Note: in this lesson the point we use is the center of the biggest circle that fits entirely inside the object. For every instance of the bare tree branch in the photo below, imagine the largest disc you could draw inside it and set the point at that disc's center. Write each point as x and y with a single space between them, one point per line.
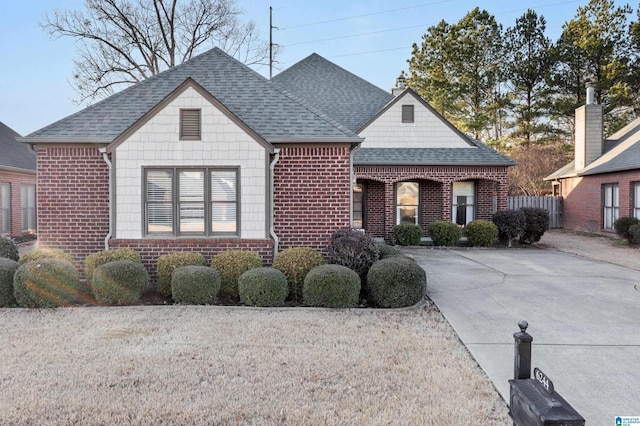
122 42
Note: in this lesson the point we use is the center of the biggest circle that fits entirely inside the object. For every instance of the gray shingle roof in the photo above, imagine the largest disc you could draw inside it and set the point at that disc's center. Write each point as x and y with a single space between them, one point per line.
622 152
248 95
480 155
335 91
13 153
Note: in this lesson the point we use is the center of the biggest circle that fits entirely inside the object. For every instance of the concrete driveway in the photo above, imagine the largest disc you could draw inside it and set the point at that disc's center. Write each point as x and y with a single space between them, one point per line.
584 316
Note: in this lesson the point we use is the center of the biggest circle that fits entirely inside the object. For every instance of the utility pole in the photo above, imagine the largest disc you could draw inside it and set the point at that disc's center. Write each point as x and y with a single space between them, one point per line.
271 27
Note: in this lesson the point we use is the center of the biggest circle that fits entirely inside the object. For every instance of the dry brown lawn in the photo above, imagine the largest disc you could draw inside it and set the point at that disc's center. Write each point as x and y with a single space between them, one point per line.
228 365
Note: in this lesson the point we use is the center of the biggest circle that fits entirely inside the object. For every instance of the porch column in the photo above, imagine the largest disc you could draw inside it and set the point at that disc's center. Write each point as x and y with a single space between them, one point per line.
446 201
389 210
503 192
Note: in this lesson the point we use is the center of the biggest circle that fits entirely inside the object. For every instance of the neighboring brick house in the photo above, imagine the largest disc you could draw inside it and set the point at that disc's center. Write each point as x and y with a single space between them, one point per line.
17 185
603 182
210 155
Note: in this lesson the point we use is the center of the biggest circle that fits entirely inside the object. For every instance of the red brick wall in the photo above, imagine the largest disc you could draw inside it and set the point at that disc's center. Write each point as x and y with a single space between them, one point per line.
16 180
583 200
374 207
436 182
311 199
151 249
73 200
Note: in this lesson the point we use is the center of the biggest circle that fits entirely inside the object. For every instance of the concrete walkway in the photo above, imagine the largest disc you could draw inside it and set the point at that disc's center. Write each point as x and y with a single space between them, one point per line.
584 316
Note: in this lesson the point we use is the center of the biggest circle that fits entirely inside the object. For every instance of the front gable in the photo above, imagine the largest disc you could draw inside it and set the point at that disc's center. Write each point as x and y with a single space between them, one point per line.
225 143
428 129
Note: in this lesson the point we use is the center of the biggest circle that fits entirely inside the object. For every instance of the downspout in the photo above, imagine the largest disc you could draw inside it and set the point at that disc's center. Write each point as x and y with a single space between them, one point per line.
105 157
352 182
272 230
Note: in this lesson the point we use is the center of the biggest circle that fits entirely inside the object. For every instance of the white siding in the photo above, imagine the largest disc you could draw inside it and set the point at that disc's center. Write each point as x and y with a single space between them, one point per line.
157 144
427 131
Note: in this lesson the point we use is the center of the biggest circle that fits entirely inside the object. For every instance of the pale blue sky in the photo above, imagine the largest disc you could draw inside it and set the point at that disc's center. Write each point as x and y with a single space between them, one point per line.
374 42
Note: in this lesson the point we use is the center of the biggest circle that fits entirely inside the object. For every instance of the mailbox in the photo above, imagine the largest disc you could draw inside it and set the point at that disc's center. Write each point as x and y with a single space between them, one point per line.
534 401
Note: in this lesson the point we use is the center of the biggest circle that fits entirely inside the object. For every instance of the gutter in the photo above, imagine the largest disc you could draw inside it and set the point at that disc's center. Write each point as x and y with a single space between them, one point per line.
272 231
352 179
105 157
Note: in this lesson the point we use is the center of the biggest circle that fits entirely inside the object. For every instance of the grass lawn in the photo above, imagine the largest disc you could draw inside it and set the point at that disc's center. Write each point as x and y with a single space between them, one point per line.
228 365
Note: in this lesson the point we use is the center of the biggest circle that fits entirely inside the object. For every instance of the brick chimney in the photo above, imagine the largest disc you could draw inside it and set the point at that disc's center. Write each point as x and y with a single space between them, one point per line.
589 131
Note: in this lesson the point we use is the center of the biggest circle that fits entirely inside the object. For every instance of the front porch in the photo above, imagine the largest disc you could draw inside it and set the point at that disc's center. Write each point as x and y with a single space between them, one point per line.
388 196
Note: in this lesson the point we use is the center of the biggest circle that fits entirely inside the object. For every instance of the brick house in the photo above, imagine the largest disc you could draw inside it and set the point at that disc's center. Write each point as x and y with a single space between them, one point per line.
602 183
210 155
17 185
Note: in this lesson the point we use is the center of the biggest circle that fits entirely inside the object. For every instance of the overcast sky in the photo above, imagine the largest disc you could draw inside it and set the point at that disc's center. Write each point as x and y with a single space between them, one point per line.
370 38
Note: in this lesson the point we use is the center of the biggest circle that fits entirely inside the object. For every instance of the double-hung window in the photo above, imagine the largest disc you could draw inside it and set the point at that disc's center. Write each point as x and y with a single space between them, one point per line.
28 207
191 201
6 207
463 205
611 204
636 200
407 202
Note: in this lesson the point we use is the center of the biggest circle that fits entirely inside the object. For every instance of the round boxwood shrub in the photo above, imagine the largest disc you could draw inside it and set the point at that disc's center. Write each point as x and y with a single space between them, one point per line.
120 282
331 286
407 234
8 268
481 233
8 249
634 233
46 253
354 249
195 285
295 263
386 251
47 283
510 223
622 225
263 287
444 233
536 223
396 282
94 260
167 263
230 264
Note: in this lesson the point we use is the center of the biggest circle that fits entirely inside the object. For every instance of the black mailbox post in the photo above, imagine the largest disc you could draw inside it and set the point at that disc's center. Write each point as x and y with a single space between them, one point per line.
533 401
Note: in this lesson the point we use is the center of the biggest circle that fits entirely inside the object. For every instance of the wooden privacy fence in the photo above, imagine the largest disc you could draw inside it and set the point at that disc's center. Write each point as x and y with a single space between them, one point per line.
551 204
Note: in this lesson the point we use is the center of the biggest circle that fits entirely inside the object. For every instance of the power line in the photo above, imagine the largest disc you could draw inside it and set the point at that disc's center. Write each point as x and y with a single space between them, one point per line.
356 35
366 53
363 15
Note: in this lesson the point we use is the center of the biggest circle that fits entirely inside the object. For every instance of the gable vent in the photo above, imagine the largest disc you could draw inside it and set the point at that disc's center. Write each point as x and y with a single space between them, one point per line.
190 124
407 113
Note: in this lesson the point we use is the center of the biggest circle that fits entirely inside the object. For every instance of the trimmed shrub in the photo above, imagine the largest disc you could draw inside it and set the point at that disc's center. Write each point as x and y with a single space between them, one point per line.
622 225
510 223
230 264
8 268
94 260
331 286
353 249
407 234
444 233
396 282
46 253
481 233
295 263
195 285
47 283
167 263
634 233
8 249
120 282
536 223
263 287
388 251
